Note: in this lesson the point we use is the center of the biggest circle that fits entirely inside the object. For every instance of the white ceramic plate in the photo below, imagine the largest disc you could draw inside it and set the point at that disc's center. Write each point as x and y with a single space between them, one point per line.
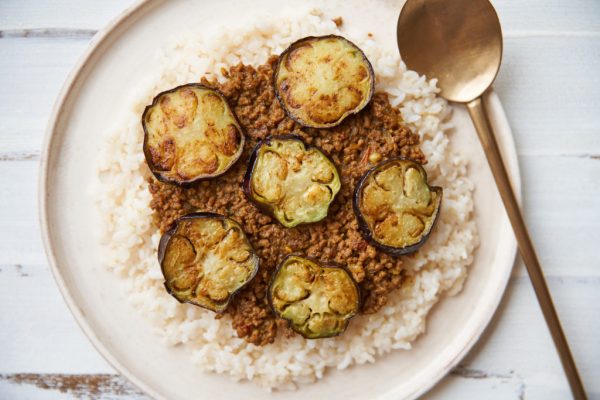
97 89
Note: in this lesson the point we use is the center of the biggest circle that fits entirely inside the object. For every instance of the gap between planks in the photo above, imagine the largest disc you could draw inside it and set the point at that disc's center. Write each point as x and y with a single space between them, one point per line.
50 33
97 385
20 156
79 386
78 33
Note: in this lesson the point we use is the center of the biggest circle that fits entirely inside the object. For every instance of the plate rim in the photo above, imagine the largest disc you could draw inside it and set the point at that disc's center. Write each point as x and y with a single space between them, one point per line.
101 38
74 75
490 97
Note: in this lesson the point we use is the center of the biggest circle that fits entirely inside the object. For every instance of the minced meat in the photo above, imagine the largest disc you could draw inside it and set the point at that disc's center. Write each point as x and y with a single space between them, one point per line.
360 142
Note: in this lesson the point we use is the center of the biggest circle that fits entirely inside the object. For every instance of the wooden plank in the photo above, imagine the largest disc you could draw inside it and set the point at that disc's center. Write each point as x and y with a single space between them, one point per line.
39 333
516 357
20 239
560 193
512 358
31 74
547 15
548 86
550 98
532 16
468 383
561 206
115 387
518 342
82 14
462 382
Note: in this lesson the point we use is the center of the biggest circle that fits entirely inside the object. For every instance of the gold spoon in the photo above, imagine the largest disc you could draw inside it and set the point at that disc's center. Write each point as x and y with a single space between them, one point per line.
459 42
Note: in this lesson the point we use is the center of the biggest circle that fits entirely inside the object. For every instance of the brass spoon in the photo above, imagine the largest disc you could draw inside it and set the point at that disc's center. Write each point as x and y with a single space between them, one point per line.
460 43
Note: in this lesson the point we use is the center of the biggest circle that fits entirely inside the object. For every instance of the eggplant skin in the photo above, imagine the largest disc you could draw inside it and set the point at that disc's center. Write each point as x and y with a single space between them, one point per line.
366 224
201 119
203 285
293 204
304 299
346 90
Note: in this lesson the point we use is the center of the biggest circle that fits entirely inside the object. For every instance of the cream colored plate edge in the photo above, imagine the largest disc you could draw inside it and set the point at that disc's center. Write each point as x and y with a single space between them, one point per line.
98 85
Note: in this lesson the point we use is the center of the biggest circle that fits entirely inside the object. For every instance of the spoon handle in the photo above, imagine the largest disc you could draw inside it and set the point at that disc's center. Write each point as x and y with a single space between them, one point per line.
478 113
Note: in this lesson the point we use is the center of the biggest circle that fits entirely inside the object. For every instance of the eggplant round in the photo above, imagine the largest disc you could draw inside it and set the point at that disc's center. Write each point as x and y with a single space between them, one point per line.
206 259
190 134
317 300
395 207
290 180
319 81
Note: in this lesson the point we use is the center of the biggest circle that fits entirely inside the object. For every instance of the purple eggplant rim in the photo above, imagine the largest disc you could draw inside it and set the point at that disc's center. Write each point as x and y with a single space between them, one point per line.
186 183
166 238
324 264
247 186
362 223
290 48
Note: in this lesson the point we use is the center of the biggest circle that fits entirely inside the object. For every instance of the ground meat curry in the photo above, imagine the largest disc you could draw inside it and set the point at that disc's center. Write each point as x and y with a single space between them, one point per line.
354 146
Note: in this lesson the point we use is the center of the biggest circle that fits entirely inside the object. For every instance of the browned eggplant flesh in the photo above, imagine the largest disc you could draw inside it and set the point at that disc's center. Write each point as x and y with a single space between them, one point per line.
316 300
294 182
319 81
395 206
205 259
190 134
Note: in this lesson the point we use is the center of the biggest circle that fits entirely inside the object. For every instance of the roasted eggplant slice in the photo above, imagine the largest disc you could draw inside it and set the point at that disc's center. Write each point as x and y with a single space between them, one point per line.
395 206
319 81
291 180
205 259
316 300
190 134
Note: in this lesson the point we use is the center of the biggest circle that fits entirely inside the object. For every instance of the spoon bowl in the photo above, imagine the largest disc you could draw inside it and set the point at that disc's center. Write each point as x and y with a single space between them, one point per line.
458 42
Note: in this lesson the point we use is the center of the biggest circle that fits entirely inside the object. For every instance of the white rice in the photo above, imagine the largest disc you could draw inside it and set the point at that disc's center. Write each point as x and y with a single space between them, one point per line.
131 239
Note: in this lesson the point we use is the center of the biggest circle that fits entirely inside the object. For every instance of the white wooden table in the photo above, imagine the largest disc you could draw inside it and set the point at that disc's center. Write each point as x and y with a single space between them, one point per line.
549 84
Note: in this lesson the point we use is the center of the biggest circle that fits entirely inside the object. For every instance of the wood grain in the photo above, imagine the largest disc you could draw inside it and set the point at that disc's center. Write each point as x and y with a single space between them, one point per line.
516 346
545 15
77 14
32 70
550 188
549 87
551 100
551 96
463 382
78 386
48 33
